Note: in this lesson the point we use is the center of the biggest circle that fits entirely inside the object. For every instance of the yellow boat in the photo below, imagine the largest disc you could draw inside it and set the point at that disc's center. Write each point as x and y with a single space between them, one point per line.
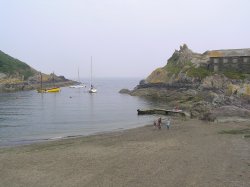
48 90
53 90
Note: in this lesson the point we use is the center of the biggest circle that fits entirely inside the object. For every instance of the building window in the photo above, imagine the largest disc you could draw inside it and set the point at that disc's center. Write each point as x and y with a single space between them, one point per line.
216 68
235 60
225 60
216 60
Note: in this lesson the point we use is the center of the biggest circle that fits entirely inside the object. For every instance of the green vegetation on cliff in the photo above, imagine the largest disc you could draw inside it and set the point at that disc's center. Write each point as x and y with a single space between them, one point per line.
14 68
172 68
234 75
199 72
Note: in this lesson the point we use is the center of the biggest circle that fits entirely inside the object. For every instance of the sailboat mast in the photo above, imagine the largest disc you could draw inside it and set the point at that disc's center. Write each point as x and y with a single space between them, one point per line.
78 75
91 72
53 79
41 81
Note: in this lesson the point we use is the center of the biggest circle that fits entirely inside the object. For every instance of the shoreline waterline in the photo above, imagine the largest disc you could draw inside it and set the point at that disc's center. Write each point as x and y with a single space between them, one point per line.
31 142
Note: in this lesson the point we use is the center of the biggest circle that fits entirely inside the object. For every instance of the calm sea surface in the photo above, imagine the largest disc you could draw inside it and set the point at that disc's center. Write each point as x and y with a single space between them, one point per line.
28 116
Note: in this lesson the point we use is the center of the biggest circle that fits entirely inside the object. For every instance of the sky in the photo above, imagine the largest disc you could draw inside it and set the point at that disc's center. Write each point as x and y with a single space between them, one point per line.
126 38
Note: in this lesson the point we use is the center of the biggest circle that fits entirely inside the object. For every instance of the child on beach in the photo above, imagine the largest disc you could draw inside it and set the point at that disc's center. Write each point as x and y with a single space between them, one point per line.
155 125
168 123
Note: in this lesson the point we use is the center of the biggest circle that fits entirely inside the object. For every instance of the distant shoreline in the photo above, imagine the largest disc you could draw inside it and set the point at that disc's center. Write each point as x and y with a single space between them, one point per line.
24 86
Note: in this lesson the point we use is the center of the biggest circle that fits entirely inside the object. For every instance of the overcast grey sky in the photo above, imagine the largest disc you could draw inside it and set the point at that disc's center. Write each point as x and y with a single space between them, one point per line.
127 38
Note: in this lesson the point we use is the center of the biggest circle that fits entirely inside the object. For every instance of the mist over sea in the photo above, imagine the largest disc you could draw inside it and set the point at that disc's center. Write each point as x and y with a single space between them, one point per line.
29 116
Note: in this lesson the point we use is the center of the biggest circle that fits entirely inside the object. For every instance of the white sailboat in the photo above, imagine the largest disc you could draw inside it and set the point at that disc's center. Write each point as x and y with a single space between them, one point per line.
80 85
92 88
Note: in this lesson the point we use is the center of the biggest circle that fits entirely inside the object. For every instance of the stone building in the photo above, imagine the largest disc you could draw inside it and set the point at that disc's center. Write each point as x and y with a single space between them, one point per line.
230 60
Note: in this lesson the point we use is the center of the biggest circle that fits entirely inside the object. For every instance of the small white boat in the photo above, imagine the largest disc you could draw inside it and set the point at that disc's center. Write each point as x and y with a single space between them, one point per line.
80 85
92 88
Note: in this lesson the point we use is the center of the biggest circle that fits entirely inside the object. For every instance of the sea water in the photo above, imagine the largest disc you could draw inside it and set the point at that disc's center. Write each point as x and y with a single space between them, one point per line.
29 116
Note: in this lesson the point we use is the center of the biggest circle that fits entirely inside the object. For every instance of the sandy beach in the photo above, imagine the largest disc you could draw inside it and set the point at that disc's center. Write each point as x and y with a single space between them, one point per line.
191 153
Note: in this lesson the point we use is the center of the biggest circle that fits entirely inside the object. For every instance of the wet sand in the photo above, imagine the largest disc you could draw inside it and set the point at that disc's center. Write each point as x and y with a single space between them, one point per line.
191 153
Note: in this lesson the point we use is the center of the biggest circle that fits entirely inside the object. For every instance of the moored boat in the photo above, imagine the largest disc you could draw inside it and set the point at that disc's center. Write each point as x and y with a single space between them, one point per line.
80 85
92 88
48 90
53 89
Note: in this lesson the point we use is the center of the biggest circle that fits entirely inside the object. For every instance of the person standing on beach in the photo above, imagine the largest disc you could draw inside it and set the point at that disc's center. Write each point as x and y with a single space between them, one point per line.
168 123
155 125
159 123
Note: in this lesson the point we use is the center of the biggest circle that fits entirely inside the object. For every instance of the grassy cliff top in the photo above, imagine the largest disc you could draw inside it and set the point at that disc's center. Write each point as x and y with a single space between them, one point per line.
15 68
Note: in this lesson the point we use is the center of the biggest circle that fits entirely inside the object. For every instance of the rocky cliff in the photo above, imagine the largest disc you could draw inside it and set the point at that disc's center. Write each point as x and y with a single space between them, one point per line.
16 75
183 66
187 81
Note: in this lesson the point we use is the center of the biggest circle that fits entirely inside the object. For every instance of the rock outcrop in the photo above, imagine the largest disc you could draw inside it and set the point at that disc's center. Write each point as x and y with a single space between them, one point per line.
188 81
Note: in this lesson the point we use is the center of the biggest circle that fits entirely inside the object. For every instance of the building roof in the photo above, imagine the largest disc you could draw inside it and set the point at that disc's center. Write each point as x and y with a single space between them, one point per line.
229 52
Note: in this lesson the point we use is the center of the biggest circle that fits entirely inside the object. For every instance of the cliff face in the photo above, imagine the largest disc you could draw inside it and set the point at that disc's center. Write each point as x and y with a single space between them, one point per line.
188 81
184 65
16 75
